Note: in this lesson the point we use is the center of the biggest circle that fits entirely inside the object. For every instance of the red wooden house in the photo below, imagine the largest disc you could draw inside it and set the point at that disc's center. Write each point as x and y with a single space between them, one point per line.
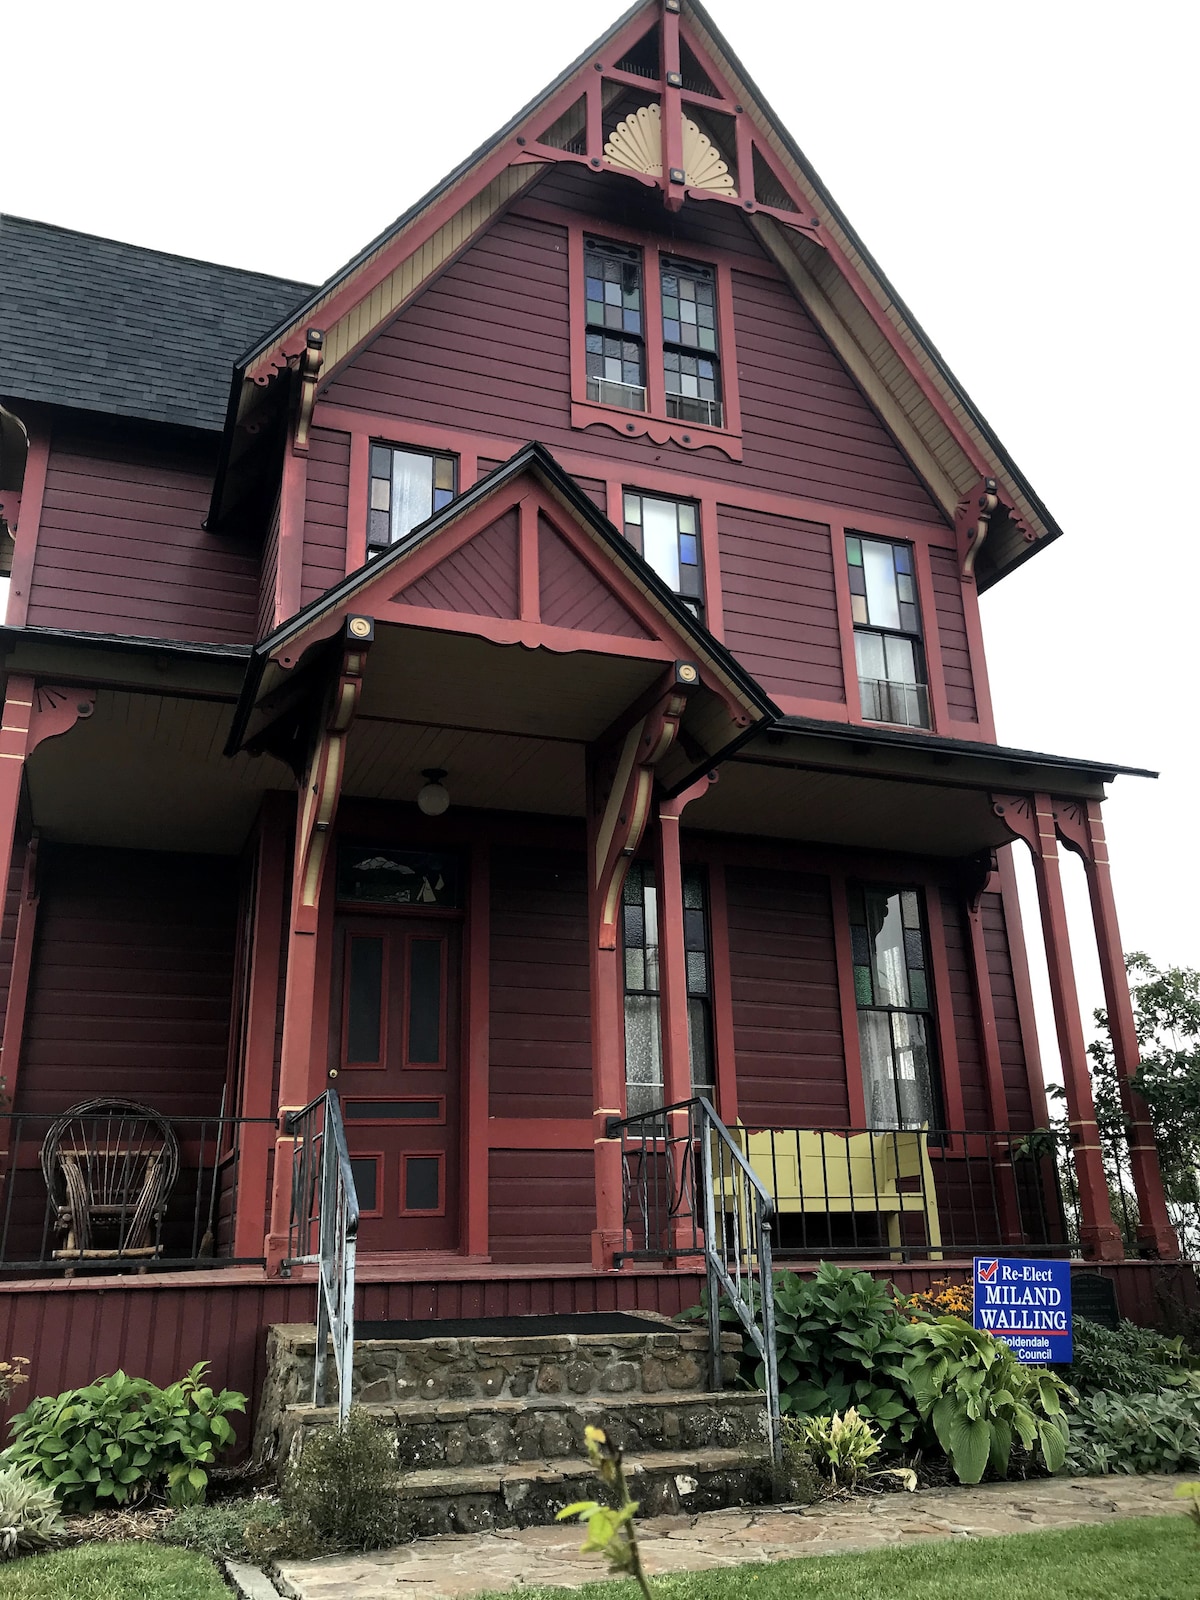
544 685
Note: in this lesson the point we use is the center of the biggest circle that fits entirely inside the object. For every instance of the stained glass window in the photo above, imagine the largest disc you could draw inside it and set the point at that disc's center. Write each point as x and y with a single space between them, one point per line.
666 533
895 1005
407 487
374 876
615 341
887 632
640 946
689 320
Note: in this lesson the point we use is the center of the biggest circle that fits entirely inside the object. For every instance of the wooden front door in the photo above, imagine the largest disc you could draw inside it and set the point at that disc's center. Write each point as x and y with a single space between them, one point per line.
397 1064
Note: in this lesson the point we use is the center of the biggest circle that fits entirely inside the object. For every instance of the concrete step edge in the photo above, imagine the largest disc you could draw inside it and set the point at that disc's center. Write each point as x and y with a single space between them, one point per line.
444 1481
453 1410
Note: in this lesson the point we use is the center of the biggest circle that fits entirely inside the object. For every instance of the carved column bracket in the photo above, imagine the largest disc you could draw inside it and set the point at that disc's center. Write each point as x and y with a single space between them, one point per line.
622 786
1019 815
56 710
309 372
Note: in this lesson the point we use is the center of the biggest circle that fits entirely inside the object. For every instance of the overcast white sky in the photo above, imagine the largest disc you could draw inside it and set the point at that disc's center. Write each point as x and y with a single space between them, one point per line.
1023 171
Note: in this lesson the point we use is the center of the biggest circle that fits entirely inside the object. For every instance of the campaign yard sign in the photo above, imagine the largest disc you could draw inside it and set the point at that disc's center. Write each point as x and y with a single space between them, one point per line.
1027 1304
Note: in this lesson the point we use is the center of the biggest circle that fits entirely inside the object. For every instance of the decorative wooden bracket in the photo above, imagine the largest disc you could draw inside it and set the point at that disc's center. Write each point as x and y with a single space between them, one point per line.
309 372
56 710
977 514
623 785
1020 815
322 783
1071 823
974 875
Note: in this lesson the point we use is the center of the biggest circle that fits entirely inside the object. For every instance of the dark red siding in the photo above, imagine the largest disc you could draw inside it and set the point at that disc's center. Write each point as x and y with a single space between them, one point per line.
325 506
487 347
121 547
791 1065
480 578
961 999
1008 1021
779 602
267 578
541 1205
131 981
541 1062
952 635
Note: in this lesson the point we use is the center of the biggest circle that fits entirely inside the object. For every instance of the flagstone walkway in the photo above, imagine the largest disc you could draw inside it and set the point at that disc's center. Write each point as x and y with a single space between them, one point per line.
467 1564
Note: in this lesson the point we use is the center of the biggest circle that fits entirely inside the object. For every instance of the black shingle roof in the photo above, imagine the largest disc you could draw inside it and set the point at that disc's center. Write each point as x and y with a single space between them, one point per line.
103 326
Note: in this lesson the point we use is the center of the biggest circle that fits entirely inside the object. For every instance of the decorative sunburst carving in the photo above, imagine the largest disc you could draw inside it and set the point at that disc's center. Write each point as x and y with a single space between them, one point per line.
636 144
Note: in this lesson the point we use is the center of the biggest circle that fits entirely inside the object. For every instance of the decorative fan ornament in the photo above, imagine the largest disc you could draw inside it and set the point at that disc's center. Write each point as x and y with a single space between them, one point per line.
636 144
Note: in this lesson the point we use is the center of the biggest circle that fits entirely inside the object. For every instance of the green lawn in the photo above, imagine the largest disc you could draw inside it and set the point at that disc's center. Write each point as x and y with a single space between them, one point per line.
113 1572
1145 1558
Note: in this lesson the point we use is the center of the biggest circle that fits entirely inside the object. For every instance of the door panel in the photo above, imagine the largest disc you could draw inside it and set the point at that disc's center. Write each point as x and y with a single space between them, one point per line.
396 1057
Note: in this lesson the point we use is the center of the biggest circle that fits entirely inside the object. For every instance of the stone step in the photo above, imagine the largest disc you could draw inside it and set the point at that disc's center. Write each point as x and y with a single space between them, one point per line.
530 1494
480 1433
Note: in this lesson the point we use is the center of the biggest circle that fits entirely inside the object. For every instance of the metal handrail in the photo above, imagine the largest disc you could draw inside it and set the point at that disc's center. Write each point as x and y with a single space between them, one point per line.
736 1250
325 1213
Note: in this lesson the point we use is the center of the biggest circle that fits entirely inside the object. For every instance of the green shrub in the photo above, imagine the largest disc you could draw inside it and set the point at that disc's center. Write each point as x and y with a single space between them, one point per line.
341 1495
29 1514
220 1529
838 1335
841 1448
1129 1360
1135 1433
121 1439
979 1399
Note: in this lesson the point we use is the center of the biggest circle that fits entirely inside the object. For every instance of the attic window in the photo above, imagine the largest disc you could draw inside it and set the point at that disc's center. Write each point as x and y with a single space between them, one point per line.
616 349
690 370
407 487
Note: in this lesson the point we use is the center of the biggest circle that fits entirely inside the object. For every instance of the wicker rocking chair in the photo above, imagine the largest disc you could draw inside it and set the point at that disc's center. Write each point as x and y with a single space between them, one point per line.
109 1166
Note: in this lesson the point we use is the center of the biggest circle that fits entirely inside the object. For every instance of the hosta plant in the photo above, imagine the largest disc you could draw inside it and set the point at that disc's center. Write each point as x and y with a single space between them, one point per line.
120 1439
842 1448
979 1400
30 1517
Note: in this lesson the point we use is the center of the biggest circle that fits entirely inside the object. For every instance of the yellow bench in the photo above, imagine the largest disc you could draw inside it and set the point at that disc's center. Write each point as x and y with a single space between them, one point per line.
839 1174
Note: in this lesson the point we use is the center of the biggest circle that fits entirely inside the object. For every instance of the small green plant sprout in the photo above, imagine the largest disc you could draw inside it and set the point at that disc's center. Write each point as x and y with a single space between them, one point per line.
1191 1493
842 1445
610 1529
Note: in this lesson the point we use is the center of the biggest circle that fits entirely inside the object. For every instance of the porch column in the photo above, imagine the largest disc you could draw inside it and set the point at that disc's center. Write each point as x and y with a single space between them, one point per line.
316 811
1081 828
1032 819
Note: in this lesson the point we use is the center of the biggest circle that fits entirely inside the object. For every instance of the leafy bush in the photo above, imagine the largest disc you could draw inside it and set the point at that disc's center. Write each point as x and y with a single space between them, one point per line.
1135 1433
839 1337
340 1495
978 1398
841 1447
121 1439
1129 1360
220 1529
29 1514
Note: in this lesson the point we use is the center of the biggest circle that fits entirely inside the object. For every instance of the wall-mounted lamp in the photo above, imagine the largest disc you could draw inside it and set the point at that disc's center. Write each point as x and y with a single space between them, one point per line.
434 798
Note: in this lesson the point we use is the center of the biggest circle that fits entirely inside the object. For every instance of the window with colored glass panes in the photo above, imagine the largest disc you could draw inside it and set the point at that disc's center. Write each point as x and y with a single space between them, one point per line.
895 1007
407 487
615 336
887 632
643 990
690 359
667 534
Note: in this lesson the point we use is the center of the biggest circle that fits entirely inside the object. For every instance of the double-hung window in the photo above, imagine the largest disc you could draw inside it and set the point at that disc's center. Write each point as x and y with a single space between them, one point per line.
887 632
895 1007
407 487
689 324
616 334
643 988
666 533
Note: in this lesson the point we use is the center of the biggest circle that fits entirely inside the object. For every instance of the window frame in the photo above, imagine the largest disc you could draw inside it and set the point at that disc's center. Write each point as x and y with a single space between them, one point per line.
654 422
917 640
432 455
695 602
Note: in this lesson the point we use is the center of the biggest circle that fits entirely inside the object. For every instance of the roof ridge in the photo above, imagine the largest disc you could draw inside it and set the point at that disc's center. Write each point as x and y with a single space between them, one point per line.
153 250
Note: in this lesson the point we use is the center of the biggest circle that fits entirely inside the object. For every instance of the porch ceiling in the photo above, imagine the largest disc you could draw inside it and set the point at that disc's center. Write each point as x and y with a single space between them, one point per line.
148 772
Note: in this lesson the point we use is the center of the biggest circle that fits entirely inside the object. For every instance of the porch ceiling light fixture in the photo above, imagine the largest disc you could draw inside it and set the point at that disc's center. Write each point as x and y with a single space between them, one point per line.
434 798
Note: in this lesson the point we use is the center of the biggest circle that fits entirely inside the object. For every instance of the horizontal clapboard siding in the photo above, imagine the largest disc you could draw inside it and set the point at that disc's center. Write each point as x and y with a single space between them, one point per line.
325 509
961 1000
779 602
121 547
541 1062
1008 1020
791 1067
952 635
541 1205
131 982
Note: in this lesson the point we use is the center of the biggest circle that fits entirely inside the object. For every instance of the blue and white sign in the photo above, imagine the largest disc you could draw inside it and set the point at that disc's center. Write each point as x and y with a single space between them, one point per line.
1027 1304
